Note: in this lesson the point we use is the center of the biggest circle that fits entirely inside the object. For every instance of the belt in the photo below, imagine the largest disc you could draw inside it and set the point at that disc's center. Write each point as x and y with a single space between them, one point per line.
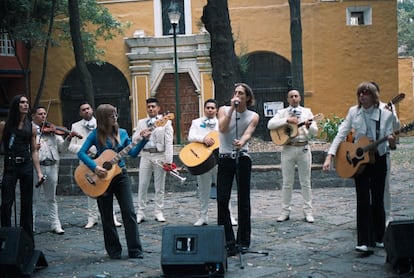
233 154
151 150
48 162
297 144
19 159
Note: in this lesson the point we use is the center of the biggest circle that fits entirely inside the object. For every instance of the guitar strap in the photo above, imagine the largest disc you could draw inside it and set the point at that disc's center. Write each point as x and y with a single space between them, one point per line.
377 127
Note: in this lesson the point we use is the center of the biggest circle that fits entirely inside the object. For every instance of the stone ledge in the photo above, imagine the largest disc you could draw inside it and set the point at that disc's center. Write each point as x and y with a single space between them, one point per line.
266 174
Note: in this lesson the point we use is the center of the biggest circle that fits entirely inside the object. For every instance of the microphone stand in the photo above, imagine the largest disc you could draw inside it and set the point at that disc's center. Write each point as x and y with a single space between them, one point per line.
237 150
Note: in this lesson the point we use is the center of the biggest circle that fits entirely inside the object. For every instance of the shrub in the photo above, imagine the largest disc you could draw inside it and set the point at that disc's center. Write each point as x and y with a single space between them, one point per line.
329 127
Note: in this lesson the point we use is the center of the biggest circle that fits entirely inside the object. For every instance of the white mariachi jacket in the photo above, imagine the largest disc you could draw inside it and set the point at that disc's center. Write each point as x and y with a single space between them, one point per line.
281 116
82 128
201 127
161 137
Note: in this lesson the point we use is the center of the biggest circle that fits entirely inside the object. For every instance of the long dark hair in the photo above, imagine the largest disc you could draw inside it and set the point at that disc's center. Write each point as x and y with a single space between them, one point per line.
105 130
13 120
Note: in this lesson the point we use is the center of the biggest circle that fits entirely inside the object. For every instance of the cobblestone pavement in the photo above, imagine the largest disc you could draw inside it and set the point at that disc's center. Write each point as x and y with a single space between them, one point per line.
295 248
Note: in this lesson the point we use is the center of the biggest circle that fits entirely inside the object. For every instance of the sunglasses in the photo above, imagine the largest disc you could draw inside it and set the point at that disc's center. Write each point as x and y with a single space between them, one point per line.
364 93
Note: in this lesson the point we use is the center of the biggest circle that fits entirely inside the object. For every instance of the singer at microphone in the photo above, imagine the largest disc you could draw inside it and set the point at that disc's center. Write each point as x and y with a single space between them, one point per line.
236 126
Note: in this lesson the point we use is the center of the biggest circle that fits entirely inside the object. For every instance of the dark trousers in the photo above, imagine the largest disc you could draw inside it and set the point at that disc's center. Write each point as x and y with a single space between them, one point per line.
370 202
24 173
227 170
120 187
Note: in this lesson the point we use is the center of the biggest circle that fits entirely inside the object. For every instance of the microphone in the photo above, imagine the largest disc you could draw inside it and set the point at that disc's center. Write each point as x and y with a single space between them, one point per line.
42 180
11 140
236 102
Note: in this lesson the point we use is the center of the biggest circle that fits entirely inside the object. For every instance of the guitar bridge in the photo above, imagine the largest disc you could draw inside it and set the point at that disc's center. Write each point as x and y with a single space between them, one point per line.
90 178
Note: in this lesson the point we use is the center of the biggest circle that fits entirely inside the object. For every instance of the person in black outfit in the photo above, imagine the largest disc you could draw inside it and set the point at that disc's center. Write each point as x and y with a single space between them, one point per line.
236 126
21 154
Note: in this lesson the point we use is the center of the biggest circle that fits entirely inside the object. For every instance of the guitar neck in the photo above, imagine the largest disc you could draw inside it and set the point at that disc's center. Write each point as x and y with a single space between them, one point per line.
122 153
375 144
303 123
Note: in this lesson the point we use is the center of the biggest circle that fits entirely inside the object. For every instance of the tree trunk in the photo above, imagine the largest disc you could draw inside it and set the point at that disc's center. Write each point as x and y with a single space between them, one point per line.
82 69
296 41
45 52
225 66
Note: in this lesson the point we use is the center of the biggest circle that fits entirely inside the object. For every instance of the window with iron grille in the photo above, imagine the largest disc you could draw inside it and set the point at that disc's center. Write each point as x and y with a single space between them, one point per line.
6 45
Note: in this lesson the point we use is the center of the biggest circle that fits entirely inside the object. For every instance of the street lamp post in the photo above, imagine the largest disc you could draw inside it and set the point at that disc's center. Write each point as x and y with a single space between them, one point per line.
174 17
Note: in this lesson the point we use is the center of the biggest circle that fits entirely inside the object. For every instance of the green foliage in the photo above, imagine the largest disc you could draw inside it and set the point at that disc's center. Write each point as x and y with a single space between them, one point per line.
406 27
28 21
329 127
96 23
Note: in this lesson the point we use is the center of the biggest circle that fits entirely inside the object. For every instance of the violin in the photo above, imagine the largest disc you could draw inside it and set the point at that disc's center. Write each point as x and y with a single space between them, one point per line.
48 127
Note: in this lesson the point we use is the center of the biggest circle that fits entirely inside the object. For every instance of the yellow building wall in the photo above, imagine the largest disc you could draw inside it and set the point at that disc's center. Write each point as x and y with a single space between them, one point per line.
336 57
405 108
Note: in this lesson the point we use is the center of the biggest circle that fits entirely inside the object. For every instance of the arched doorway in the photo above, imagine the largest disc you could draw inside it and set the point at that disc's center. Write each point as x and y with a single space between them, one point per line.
269 76
189 102
110 86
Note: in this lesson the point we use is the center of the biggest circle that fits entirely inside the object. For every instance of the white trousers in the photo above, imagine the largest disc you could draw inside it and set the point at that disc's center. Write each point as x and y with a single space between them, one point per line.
301 157
204 188
93 212
49 190
148 167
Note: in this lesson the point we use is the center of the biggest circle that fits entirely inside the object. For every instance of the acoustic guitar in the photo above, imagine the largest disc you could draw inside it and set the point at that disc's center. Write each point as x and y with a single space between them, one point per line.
94 186
394 100
197 157
350 157
281 135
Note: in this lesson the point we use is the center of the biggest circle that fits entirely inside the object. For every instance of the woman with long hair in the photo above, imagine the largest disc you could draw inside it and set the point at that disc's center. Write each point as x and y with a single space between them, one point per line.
21 153
108 136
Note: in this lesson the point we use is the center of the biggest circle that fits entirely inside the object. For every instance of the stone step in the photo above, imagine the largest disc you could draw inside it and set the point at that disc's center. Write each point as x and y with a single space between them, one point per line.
266 174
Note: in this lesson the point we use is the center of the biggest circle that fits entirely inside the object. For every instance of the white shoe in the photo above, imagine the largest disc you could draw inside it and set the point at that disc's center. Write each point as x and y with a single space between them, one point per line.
233 221
159 217
283 217
200 222
90 224
379 244
362 248
58 230
309 218
117 223
140 218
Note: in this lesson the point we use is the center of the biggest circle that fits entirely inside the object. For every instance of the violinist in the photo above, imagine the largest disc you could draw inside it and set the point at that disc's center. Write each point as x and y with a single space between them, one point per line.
49 145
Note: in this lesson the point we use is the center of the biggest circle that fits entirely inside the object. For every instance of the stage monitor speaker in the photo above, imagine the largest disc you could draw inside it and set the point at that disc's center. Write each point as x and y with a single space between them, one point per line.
17 256
399 243
189 250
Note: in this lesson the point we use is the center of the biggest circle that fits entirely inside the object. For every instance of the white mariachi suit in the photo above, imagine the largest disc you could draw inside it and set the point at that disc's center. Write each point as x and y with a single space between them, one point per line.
387 193
296 155
50 146
199 129
84 128
158 148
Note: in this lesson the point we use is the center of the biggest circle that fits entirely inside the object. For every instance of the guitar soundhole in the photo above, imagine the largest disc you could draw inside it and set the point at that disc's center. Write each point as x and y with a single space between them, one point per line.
288 130
107 165
359 152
